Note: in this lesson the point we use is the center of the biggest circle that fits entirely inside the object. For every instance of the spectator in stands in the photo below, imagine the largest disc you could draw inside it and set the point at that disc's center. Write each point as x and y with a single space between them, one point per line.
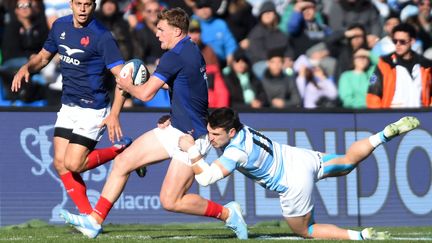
304 28
218 94
343 45
281 89
111 17
266 36
402 79
315 88
24 36
319 55
280 5
353 84
385 45
148 45
344 13
215 32
289 9
133 12
410 14
244 88
425 21
240 19
424 16
382 7
219 7
38 8
3 14
186 5
55 9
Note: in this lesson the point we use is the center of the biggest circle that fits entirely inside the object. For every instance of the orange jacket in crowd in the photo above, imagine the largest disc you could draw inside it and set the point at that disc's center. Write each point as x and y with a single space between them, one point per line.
383 82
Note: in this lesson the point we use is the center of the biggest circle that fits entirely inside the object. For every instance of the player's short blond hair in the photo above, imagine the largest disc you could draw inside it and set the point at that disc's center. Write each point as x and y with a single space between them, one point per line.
176 17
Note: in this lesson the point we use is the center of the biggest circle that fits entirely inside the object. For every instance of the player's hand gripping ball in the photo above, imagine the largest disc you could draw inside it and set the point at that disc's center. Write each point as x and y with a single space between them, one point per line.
140 73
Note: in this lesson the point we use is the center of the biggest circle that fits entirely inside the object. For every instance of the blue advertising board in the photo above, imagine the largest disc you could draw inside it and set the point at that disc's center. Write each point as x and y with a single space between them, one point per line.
391 188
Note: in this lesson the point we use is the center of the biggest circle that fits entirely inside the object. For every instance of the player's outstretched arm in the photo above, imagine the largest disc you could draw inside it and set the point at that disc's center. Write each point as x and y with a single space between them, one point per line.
35 64
205 174
209 173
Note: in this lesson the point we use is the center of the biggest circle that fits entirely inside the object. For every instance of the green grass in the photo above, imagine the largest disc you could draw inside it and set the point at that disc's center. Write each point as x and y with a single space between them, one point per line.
38 231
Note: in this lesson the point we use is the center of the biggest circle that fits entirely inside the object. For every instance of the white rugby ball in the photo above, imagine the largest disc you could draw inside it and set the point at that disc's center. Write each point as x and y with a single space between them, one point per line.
140 73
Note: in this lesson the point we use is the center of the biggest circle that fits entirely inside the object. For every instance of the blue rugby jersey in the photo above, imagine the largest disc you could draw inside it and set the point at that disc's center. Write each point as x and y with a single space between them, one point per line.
183 69
257 157
85 53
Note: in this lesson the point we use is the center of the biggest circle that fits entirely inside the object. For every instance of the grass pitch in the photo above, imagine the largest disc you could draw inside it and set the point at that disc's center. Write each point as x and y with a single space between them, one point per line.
38 231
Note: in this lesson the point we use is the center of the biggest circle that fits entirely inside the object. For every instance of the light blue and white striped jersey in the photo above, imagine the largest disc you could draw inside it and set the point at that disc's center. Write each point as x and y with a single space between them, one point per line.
258 158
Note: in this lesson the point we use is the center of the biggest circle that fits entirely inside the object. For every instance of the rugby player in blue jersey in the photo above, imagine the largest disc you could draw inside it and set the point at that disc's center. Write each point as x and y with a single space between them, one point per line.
182 70
289 171
86 50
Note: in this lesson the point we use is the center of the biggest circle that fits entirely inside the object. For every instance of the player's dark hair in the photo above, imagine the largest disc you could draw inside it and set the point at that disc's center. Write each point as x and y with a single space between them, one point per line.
175 17
407 28
225 118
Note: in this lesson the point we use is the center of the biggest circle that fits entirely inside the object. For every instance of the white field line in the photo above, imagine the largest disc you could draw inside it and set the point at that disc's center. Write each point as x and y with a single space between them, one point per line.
411 236
403 236
267 237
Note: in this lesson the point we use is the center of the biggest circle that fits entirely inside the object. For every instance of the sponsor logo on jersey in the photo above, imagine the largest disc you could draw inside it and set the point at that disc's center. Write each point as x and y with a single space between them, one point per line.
63 35
70 52
69 60
86 101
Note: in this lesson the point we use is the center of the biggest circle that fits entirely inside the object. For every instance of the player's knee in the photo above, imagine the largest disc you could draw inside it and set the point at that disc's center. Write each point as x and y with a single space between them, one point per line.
59 164
74 166
168 203
122 165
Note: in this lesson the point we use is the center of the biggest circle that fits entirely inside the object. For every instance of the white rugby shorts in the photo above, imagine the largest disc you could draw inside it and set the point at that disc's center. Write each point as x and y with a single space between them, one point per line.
82 121
169 138
301 172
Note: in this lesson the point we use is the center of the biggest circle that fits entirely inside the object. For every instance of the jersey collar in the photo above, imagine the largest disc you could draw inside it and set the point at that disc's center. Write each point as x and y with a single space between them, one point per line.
180 44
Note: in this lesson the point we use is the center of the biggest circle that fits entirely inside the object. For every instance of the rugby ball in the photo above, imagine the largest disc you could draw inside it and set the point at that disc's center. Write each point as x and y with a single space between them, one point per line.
140 73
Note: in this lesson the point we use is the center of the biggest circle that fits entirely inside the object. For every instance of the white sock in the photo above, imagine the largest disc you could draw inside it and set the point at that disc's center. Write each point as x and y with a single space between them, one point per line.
354 235
377 139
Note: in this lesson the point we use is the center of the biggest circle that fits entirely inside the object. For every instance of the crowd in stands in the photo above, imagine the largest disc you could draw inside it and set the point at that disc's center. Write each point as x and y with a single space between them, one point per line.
259 53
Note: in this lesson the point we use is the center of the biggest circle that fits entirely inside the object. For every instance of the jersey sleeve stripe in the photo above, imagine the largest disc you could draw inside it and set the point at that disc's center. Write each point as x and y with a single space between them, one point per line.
160 76
119 62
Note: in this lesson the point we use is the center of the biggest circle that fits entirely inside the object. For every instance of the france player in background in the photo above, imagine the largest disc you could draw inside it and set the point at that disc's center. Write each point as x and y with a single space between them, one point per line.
86 50
182 70
289 171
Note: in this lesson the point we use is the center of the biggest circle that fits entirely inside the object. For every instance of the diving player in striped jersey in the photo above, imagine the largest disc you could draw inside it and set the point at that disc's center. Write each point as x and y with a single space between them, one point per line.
287 170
